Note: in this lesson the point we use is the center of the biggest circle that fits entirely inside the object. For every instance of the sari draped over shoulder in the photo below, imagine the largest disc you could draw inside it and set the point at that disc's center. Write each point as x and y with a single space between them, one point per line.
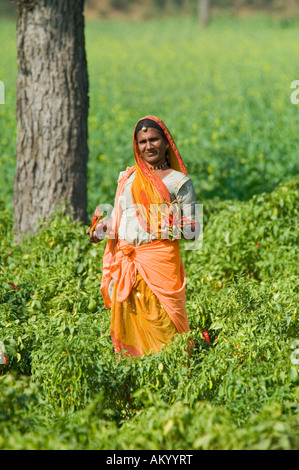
148 298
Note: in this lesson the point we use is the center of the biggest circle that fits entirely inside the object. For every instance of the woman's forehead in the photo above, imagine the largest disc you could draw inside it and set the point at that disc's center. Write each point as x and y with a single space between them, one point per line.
148 132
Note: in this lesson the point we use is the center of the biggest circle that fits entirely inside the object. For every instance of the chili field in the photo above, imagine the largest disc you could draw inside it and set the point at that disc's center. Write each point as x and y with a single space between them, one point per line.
225 93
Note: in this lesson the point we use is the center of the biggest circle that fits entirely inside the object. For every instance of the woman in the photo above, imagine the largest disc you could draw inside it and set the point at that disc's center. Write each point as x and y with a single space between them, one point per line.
143 278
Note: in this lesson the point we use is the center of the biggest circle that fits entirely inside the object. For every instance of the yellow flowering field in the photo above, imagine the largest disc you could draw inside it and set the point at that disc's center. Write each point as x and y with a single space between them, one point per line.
223 91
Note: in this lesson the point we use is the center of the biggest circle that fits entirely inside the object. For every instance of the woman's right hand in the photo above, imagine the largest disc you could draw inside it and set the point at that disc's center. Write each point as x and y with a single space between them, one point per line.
98 234
93 237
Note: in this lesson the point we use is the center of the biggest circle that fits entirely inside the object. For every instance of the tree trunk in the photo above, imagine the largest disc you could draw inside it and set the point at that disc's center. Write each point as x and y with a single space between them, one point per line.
52 112
204 11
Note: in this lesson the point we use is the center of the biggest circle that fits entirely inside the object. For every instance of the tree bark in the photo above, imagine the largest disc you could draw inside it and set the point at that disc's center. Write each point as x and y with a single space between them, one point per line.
204 12
52 112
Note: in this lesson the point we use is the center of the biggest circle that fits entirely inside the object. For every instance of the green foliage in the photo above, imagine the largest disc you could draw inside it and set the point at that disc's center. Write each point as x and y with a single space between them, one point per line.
251 238
243 383
62 386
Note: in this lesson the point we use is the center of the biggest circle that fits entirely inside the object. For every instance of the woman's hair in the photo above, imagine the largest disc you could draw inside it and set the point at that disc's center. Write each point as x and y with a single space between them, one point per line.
148 123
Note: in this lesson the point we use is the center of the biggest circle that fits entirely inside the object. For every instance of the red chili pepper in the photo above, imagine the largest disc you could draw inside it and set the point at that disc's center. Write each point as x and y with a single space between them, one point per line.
12 285
185 219
206 335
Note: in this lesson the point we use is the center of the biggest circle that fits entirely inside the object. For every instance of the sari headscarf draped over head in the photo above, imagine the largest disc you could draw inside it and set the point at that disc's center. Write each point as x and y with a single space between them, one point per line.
148 190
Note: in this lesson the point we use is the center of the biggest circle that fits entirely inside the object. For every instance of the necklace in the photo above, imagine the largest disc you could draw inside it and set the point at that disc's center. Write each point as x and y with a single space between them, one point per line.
160 167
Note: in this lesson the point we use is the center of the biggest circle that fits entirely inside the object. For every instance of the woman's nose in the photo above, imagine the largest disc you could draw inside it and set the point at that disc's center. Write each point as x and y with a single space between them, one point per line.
148 144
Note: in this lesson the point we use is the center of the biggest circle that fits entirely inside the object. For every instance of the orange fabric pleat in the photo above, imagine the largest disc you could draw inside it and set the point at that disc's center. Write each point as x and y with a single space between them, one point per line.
140 324
161 267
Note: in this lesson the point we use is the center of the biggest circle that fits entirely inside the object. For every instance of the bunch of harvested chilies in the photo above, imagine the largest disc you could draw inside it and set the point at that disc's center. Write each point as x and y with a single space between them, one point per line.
170 221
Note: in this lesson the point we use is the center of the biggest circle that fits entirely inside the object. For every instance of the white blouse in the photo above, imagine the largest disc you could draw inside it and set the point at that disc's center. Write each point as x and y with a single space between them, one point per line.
180 188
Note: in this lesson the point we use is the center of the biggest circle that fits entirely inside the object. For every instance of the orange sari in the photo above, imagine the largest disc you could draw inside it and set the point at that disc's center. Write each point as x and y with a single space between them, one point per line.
148 300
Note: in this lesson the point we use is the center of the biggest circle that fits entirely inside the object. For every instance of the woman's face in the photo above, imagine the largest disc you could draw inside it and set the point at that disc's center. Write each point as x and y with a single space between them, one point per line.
152 146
